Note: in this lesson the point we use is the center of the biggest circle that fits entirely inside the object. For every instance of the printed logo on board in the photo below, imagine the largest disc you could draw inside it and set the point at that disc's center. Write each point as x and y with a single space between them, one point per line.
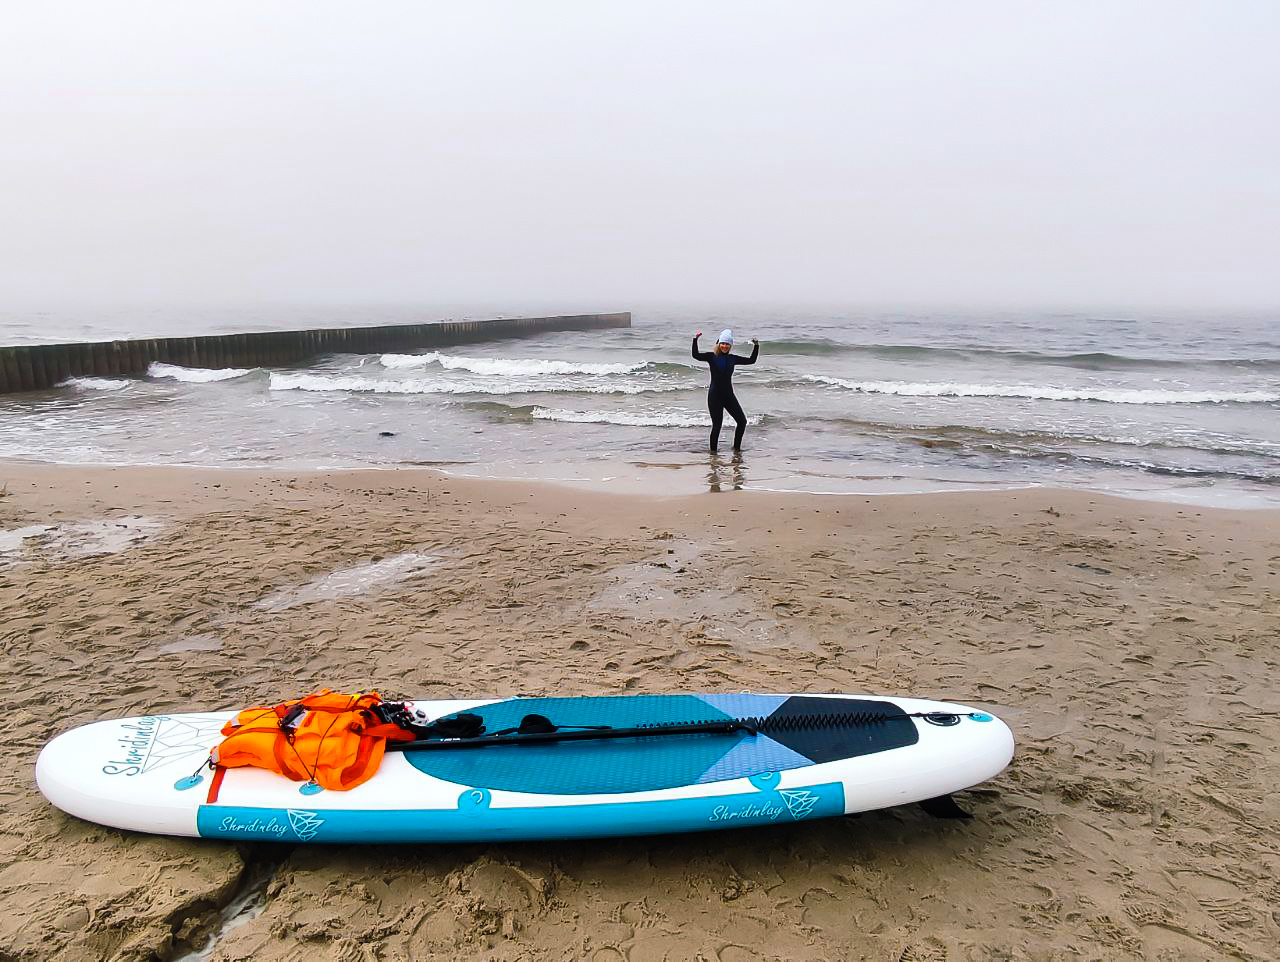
230 825
799 803
153 741
305 824
754 810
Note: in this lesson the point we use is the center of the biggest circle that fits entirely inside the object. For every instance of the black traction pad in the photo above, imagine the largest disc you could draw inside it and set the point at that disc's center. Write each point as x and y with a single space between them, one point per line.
829 743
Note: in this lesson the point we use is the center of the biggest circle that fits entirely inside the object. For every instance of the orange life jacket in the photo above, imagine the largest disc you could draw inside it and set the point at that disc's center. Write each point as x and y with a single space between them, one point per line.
329 738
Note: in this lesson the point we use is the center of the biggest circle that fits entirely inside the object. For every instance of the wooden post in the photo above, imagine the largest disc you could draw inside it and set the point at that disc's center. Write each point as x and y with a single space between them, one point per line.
115 363
150 352
26 376
199 352
84 362
10 379
178 351
137 365
215 355
58 362
40 377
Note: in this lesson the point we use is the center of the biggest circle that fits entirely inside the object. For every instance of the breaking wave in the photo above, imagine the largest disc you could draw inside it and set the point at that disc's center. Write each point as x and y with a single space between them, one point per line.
372 385
979 437
653 419
1034 392
196 375
513 367
1084 360
96 383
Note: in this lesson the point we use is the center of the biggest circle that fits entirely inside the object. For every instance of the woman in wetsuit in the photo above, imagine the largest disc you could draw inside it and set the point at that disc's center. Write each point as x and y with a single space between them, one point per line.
720 392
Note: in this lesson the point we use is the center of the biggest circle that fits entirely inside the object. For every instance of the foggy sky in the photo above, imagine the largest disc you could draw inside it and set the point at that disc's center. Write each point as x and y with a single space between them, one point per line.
604 155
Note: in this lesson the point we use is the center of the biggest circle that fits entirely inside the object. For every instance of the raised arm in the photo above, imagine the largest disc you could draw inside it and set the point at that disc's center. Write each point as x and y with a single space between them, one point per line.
755 353
699 355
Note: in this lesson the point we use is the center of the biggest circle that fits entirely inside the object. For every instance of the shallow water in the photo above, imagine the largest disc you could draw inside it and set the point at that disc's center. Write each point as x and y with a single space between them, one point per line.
76 539
350 582
1171 407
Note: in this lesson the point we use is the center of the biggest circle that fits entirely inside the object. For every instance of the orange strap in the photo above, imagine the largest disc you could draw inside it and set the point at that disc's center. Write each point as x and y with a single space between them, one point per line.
215 786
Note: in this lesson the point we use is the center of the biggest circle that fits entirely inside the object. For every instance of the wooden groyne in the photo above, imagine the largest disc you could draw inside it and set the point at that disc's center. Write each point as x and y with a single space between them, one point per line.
35 367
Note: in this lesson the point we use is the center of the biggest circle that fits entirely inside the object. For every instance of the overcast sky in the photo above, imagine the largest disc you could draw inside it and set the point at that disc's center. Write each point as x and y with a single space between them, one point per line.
956 154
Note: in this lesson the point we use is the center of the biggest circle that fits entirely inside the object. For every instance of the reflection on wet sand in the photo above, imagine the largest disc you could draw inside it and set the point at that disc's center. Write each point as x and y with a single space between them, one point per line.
722 472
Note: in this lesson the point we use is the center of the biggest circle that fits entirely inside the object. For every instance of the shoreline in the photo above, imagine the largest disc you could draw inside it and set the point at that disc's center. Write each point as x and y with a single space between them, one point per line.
1128 644
641 485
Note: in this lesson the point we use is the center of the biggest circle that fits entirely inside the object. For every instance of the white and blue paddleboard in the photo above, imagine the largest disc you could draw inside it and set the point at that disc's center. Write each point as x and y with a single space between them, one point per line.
802 757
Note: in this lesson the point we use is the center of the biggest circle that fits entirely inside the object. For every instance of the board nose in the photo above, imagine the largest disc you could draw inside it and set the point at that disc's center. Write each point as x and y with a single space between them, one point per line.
65 769
105 772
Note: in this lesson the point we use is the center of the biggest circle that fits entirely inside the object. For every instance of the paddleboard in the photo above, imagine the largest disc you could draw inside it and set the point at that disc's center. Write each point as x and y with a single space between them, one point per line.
802 757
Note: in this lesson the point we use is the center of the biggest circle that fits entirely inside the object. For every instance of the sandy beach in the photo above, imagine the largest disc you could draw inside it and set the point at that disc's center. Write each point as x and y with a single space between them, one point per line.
1132 647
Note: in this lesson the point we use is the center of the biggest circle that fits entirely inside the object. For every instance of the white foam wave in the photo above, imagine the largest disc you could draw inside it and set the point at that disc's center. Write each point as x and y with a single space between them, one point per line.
671 419
655 419
196 375
373 385
504 366
1034 392
96 383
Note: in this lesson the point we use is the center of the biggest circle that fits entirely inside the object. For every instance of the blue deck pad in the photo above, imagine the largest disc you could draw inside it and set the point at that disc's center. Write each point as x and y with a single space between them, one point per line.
614 766
471 823
618 711
751 756
744 705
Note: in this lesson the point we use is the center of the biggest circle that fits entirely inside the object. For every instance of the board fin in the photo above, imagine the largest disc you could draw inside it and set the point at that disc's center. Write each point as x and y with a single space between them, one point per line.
944 806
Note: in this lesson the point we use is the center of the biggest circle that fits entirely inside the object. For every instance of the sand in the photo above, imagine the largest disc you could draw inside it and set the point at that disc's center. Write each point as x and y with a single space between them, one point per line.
1132 647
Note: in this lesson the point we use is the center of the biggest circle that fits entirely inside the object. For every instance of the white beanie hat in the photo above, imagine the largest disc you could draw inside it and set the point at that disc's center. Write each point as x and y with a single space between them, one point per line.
726 337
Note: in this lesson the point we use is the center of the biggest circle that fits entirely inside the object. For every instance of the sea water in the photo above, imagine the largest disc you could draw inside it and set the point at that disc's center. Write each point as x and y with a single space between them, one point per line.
1175 407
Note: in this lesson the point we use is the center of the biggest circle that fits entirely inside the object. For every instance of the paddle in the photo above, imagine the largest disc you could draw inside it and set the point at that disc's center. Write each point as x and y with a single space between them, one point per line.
535 729
727 727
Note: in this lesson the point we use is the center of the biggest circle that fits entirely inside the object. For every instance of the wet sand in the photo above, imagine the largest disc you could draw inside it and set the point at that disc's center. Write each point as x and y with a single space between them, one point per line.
1132 647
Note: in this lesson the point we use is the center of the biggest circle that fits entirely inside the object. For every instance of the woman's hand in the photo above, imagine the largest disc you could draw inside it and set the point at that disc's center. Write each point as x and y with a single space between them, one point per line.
698 334
755 340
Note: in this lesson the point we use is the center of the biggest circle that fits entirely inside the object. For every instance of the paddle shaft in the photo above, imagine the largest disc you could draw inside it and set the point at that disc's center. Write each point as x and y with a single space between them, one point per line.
481 741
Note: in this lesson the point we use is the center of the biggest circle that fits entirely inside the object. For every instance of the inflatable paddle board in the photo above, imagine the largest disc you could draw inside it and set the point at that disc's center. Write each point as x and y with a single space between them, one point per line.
792 758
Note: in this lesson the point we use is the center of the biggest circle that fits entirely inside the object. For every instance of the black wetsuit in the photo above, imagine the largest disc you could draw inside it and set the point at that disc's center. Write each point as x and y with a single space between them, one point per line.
720 392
